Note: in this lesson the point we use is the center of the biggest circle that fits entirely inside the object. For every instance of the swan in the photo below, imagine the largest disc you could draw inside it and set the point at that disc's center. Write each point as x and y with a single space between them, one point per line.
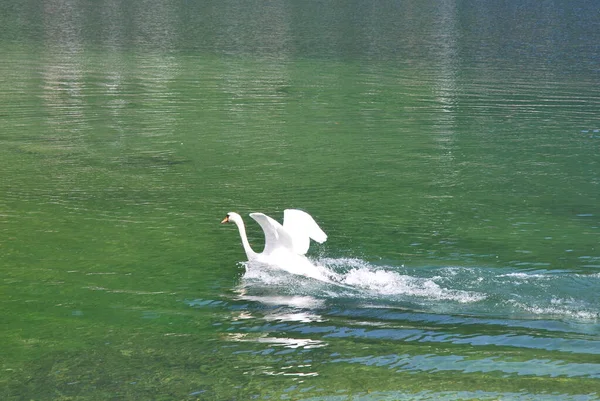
284 244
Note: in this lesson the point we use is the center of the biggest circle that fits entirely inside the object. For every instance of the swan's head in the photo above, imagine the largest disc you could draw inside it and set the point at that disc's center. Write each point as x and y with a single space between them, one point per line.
232 217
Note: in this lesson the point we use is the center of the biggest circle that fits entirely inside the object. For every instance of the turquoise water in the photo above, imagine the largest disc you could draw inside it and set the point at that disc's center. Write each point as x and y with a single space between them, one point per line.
450 151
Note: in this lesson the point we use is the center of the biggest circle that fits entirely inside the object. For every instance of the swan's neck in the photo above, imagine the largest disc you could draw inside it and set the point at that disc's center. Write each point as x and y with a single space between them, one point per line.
250 254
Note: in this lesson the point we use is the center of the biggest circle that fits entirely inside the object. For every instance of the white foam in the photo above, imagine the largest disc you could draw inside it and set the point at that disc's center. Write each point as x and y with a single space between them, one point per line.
559 308
387 283
363 278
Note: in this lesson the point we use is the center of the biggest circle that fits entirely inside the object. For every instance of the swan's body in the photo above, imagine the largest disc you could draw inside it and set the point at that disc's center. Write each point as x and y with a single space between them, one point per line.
284 244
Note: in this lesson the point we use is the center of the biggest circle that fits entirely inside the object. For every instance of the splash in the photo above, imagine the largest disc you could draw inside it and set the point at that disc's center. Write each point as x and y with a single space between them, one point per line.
384 281
472 291
355 278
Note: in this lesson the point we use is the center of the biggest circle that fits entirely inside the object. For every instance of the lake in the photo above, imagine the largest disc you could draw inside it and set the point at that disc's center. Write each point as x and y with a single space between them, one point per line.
450 151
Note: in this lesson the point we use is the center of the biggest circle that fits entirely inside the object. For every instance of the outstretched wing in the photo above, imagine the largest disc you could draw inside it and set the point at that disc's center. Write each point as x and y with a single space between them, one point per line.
275 235
301 227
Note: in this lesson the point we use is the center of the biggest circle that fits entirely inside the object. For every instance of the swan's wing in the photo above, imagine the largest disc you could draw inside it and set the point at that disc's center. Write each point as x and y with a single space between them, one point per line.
276 236
301 227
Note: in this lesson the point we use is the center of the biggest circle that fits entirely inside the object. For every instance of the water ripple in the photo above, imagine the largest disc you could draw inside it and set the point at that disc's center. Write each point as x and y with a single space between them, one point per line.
438 363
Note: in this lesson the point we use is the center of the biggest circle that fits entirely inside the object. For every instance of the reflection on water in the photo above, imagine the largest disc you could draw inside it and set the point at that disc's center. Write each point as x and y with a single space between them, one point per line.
449 149
284 308
284 342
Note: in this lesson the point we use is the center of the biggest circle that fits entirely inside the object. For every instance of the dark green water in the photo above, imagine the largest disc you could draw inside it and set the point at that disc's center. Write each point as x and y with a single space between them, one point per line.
451 151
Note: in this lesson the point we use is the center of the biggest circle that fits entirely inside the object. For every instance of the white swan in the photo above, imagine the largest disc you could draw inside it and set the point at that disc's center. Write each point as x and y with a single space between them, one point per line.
284 244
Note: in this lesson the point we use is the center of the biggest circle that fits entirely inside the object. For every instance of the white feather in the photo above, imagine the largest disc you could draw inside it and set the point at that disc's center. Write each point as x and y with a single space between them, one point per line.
302 228
290 239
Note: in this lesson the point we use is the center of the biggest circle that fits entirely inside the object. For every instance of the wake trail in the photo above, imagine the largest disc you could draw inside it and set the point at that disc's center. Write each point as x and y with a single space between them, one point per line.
501 292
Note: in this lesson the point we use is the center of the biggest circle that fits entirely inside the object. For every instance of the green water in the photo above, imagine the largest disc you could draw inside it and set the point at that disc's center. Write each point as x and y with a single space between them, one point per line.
451 152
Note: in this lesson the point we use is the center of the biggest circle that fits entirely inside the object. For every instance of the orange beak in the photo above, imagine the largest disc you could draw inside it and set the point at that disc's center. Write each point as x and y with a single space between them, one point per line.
225 220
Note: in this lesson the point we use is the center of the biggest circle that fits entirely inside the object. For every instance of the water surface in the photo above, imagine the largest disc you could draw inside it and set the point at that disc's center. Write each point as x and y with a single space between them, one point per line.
450 151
